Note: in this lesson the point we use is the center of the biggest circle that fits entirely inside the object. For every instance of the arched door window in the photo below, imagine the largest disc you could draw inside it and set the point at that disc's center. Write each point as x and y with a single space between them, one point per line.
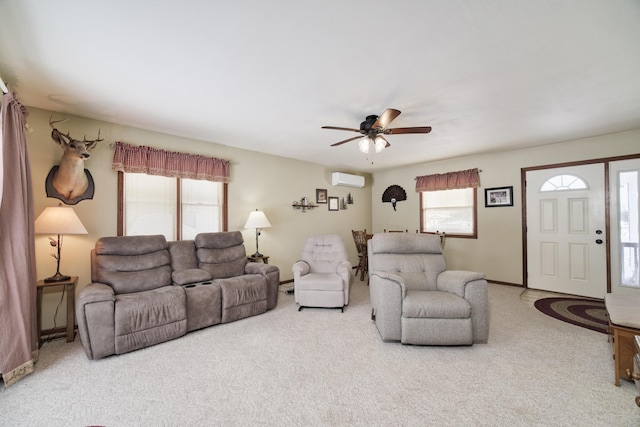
564 182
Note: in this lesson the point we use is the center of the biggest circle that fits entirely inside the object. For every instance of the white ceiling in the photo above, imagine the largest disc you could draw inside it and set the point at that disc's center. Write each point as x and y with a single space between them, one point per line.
487 75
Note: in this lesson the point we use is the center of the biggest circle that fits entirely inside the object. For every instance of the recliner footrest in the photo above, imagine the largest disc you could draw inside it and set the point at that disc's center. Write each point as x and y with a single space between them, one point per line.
435 304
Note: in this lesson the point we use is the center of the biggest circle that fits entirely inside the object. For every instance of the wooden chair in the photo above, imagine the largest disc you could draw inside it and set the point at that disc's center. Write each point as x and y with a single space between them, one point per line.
441 234
360 239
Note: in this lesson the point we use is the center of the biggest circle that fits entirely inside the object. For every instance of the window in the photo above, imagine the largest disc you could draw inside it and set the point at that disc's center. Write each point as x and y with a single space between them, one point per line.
629 211
177 208
450 211
563 182
174 194
448 203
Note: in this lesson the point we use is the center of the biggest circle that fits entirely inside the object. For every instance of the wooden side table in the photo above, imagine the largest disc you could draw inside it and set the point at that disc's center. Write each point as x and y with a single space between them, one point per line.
262 258
623 337
70 288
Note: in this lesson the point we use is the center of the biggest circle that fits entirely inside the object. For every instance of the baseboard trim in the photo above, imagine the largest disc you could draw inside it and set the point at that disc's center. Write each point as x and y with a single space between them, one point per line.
497 282
55 333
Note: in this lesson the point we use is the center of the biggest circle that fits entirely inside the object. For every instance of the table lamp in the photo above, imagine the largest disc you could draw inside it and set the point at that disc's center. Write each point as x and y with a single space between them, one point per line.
58 220
258 220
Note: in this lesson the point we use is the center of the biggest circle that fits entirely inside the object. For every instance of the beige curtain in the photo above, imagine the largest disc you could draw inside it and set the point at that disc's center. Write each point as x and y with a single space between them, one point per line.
153 161
18 329
448 181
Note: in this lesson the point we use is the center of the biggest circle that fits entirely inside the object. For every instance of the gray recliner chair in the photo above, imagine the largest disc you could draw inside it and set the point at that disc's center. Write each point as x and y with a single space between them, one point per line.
416 300
322 275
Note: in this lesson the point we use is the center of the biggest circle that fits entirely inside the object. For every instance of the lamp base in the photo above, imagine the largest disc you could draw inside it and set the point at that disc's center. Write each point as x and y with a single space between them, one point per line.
257 255
57 278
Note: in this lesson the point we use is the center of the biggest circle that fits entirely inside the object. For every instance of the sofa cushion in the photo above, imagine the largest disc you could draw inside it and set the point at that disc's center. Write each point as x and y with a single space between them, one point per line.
193 275
131 263
183 255
243 296
130 245
320 282
222 254
242 289
435 304
147 318
323 253
133 273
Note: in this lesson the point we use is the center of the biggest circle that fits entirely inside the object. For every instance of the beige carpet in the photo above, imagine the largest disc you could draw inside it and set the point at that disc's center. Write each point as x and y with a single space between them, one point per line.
323 367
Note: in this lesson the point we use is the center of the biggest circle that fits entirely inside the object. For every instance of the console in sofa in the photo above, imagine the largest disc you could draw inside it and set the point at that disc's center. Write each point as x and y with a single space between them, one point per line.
146 290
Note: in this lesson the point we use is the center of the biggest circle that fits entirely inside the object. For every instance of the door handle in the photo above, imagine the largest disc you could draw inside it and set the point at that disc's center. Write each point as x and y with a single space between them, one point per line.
599 241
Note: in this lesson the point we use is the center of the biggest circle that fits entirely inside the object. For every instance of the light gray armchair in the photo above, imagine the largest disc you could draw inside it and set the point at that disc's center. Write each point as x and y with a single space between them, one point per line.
322 275
416 300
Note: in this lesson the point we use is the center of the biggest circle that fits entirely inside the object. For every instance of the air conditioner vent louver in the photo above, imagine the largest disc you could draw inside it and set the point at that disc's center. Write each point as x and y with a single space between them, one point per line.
347 180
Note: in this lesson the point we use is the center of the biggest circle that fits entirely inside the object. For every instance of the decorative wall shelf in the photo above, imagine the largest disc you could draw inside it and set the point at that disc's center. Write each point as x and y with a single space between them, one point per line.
303 205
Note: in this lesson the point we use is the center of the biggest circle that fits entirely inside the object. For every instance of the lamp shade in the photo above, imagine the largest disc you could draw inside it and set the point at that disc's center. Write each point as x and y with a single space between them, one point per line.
257 219
363 144
380 144
59 220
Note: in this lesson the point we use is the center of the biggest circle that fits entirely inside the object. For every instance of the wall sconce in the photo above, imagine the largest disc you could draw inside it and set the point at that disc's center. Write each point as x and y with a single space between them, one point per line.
303 205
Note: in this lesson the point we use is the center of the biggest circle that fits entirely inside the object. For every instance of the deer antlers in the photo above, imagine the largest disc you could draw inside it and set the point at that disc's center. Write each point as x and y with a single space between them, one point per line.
56 134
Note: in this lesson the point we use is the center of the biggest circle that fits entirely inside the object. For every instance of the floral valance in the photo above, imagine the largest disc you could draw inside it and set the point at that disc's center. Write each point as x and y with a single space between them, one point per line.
448 181
153 161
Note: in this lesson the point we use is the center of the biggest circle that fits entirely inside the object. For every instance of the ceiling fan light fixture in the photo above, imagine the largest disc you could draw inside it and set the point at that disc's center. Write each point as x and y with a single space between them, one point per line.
374 128
364 144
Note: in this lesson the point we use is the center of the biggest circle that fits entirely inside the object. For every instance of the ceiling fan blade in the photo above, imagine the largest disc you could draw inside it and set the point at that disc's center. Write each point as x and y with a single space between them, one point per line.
397 131
339 128
387 117
346 140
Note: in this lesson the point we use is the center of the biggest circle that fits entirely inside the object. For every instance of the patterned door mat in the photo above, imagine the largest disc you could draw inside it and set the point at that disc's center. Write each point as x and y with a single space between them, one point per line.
590 314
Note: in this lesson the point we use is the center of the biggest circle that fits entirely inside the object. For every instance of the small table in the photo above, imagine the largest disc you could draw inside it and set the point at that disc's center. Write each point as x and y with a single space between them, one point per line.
70 289
262 258
623 309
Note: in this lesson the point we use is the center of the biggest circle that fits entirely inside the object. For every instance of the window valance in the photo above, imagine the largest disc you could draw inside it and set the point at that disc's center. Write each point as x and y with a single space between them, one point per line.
448 181
153 161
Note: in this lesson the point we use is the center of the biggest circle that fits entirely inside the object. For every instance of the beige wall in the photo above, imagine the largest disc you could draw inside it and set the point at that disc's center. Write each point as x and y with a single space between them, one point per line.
498 249
272 183
258 181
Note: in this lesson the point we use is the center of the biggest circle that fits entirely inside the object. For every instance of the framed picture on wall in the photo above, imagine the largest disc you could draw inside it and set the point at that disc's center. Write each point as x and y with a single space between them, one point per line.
321 195
498 196
334 204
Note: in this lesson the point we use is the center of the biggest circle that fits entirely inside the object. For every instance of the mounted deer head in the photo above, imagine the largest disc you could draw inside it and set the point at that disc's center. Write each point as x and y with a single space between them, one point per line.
70 180
72 146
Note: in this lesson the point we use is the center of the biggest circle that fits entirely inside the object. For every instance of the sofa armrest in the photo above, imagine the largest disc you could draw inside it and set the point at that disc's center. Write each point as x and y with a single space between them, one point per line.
455 281
393 278
259 268
344 270
344 267
95 308
472 287
271 274
387 291
300 268
95 292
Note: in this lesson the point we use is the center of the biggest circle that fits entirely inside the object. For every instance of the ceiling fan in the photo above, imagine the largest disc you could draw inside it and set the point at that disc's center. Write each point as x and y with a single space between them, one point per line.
374 128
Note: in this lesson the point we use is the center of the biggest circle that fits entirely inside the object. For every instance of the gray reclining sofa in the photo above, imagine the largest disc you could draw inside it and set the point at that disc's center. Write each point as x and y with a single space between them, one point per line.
146 290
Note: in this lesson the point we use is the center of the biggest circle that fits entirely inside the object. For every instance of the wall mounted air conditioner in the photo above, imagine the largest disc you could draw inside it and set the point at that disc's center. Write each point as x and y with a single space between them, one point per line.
347 180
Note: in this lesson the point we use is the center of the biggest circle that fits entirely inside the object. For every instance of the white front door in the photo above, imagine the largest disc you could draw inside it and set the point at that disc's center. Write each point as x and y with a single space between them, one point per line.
566 241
